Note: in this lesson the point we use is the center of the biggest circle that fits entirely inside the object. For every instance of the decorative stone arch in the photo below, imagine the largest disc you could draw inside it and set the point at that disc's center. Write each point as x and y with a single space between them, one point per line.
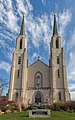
38 97
38 75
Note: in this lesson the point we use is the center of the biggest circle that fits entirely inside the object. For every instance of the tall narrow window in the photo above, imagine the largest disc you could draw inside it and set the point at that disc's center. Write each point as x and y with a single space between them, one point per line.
19 60
59 95
18 73
38 81
57 59
21 44
16 95
58 72
57 43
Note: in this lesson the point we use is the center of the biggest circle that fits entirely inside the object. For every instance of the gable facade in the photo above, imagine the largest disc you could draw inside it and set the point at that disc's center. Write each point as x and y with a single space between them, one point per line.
39 83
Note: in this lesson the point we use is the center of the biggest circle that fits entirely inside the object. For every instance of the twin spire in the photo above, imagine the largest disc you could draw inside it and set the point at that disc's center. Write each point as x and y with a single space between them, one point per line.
55 30
22 31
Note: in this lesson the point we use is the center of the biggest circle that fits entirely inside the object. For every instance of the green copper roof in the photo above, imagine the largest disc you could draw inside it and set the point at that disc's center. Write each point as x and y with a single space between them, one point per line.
55 30
22 31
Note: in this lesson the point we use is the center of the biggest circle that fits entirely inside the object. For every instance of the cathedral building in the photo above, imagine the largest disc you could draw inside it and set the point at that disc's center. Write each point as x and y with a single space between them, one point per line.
39 82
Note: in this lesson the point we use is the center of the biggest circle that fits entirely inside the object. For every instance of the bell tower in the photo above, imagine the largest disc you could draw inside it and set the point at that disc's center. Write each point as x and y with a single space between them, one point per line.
18 76
59 86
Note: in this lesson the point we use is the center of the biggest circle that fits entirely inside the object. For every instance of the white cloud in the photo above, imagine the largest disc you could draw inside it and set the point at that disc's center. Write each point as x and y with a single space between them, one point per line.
43 26
30 7
24 6
5 66
39 29
72 90
2 43
35 55
32 58
71 42
64 19
71 87
21 7
44 1
71 67
8 17
9 3
72 95
12 21
9 52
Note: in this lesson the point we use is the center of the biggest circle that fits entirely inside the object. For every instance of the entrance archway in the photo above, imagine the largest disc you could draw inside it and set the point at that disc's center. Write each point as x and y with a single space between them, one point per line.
38 98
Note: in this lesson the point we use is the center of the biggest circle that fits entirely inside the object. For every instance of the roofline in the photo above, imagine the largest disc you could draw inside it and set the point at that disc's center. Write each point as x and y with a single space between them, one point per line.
40 61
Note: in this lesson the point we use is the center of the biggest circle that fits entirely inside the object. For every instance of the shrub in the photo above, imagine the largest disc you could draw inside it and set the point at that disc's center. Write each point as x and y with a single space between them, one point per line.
10 107
37 106
58 107
63 107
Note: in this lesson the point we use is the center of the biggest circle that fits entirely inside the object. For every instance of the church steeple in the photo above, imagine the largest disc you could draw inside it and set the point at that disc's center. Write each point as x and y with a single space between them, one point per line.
55 30
22 31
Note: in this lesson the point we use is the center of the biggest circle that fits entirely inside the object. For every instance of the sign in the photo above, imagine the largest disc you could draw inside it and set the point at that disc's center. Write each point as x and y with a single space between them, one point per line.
39 113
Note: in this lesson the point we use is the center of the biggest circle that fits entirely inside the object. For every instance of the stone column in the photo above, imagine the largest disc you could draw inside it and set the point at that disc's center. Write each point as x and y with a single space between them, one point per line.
24 75
12 75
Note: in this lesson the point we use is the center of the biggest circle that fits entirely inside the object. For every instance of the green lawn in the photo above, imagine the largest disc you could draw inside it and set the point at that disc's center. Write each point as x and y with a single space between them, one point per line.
24 116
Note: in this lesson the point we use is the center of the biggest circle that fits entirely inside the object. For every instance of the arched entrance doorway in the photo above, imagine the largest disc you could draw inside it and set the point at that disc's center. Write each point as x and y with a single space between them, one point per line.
38 98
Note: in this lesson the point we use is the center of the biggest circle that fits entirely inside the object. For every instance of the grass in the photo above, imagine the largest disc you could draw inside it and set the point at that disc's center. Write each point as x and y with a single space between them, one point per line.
24 116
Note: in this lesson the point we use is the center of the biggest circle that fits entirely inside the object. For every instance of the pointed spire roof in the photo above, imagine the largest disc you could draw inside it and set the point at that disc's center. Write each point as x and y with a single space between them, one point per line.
55 30
22 31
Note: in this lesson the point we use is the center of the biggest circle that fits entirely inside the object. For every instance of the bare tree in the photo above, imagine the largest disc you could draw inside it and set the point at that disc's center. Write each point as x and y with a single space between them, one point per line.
3 85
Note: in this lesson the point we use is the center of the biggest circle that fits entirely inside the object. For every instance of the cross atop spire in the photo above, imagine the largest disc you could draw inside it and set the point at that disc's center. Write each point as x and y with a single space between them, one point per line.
22 31
55 30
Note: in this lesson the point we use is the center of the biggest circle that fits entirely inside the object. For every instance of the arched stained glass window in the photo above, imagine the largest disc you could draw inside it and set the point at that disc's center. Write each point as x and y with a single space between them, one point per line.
38 80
